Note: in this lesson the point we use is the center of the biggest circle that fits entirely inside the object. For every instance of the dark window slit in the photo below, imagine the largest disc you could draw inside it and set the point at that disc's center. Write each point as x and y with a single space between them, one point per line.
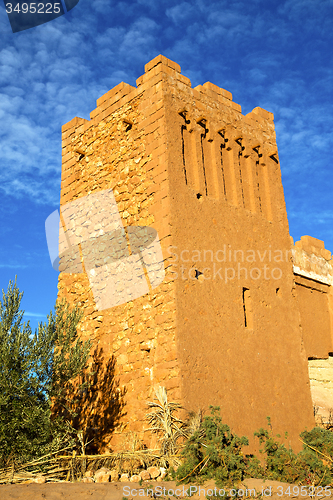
257 175
247 309
222 146
183 152
202 124
239 142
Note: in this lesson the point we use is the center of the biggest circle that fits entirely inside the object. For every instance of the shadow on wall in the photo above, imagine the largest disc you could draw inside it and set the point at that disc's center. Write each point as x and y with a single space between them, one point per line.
99 406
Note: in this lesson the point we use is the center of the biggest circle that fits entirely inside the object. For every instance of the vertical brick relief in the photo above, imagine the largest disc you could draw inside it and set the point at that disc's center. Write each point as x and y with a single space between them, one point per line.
239 151
221 142
223 165
247 175
273 174
263 182
192 152
204 157
231 161
183 135
257 177
265 165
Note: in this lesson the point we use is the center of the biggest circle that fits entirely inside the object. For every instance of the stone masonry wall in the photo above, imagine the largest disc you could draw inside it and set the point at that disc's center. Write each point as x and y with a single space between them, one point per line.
123 148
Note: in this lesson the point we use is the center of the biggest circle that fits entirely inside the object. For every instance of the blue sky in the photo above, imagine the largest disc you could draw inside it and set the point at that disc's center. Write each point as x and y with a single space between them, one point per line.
276 54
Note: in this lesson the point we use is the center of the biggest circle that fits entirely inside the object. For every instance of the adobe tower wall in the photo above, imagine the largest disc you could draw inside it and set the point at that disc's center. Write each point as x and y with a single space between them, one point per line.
223 327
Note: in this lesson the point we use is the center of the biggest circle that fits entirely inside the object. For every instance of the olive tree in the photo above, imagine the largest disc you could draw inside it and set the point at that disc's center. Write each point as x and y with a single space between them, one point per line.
35 372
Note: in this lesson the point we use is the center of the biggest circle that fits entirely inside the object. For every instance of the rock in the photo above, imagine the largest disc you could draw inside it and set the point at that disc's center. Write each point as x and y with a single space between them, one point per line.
102 471
135 479
163 472
144 475
102 475
102 478
154 472
124 477
89 473
114 475
87 480
40 480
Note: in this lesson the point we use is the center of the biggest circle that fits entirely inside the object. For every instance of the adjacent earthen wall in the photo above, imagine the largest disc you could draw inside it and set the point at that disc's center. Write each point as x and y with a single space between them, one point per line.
321 383
314 278
223 327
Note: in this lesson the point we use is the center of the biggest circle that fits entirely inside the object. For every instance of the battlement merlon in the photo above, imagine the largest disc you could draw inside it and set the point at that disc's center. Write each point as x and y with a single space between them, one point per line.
155 72
312 260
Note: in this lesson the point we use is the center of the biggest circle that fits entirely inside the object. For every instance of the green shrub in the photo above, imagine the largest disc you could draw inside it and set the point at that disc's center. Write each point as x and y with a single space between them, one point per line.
214 451
306 467
34 372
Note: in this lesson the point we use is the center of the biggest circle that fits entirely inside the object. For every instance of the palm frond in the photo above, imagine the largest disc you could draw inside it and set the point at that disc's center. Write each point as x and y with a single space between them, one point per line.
163 421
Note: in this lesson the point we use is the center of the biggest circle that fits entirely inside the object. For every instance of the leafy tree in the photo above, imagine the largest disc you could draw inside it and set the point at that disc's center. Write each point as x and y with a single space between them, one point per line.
35 371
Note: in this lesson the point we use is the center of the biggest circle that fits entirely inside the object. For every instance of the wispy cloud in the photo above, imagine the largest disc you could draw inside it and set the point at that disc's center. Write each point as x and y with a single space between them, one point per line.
34 315
6 265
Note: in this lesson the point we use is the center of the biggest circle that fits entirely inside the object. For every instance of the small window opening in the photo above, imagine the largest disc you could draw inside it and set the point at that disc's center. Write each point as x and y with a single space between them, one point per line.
81 153
197 273
127 125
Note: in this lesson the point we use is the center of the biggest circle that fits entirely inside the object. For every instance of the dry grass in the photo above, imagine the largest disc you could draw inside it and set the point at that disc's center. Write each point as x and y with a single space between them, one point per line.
73 467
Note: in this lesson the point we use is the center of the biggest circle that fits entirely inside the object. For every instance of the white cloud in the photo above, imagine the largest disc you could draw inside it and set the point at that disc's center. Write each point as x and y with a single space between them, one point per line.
34 315
180 12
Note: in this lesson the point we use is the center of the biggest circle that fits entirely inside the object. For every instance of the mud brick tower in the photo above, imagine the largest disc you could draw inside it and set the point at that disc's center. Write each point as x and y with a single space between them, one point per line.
223 328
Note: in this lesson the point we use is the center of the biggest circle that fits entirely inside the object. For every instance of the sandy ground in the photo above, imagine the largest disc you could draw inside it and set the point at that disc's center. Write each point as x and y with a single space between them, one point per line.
118 490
